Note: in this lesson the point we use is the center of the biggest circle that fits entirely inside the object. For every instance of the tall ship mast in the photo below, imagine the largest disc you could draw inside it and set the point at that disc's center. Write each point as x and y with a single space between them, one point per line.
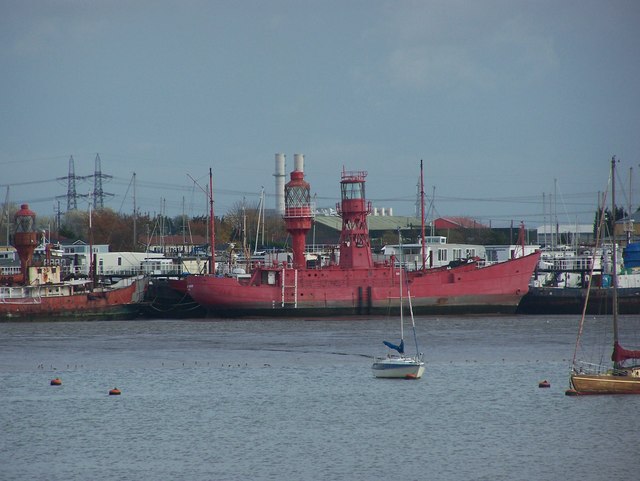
356 285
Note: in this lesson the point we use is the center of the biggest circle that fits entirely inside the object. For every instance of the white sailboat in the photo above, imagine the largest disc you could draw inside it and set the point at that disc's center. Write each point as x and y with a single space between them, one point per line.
400 366
623 377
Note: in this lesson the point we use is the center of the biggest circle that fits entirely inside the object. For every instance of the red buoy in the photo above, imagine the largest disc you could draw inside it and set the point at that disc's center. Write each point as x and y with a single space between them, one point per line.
56 382
544 383
571 392
114 392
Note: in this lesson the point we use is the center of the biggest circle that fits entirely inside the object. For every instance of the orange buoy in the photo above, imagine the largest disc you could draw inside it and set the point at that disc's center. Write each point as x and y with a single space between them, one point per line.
571 392
544 383
114 392
56 382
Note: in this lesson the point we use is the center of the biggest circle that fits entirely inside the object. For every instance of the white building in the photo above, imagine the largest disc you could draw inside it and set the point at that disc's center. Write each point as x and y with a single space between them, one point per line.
568 234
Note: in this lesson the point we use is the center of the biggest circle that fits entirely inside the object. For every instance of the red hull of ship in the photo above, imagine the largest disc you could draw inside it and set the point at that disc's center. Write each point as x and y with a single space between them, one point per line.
118 303
464 289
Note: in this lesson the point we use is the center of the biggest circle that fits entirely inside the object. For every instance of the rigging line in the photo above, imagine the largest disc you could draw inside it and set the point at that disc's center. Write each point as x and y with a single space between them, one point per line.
622 188
586 300
564 204
435 211
192 198
124 197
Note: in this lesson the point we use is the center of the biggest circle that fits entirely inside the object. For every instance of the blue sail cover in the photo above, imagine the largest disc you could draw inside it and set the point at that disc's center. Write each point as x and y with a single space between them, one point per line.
399 348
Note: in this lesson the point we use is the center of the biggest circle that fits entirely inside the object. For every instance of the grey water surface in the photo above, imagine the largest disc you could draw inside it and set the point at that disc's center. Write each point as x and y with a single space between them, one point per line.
296 400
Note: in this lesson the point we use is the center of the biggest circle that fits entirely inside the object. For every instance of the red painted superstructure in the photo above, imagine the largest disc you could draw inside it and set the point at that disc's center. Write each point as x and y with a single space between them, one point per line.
25 238
355 244
357 284
44 297
298 215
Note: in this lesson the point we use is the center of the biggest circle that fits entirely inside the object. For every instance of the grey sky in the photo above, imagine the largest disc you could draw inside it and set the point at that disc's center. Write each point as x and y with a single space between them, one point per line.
498 97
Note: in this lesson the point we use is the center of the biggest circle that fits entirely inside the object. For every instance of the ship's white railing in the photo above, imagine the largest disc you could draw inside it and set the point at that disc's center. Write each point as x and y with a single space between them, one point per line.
415 265
578 263
19 295
156 269
306 210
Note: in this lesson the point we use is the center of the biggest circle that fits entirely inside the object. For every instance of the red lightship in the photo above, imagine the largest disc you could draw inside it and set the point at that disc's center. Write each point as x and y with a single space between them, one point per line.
43 296
357 285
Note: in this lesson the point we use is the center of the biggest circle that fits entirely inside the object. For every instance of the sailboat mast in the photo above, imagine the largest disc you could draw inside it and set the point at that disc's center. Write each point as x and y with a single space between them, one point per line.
424 247
599 231
255 248
614 255
401 283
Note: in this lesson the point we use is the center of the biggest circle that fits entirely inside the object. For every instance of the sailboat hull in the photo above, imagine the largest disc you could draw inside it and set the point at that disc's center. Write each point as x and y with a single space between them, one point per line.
605 384
402 368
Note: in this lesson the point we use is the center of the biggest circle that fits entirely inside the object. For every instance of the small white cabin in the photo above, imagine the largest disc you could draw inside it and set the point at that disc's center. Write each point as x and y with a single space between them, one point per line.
438 252
123 263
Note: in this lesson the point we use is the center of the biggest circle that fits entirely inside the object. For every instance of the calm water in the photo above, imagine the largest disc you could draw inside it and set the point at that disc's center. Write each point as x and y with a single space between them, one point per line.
296 400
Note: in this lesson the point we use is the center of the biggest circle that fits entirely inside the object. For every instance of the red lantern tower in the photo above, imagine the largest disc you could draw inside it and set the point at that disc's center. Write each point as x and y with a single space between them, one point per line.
25 238
298 215
355 245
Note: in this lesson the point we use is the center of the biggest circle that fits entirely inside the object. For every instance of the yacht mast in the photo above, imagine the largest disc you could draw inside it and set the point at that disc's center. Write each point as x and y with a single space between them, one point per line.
424 247
614 255
401 284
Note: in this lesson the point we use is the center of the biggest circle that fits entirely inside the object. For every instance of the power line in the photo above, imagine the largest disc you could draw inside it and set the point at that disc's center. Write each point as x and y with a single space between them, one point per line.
30 182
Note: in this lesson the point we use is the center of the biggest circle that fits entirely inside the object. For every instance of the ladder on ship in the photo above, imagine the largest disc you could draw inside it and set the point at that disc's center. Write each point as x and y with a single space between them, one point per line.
286 288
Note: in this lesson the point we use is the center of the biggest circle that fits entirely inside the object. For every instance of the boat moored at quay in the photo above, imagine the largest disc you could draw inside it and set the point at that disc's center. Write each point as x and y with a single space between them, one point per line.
39 294
355 284
563 289
62 301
